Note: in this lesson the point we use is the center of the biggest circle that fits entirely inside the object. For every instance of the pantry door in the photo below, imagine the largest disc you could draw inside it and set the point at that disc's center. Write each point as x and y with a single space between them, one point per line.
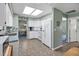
46 33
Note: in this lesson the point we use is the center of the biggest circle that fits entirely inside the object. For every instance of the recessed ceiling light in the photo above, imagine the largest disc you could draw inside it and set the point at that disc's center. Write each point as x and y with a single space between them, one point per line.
37 12
28 10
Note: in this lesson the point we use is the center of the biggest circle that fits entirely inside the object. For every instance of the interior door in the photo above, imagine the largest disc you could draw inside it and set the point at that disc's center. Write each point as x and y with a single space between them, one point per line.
72 30
77 30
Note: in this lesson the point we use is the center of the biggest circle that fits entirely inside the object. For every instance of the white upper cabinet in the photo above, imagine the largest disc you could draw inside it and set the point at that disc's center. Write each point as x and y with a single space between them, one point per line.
2 18
9 17
15 21
34 23
2 14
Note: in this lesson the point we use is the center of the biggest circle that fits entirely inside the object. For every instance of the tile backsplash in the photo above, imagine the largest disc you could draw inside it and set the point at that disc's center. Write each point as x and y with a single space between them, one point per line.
11 29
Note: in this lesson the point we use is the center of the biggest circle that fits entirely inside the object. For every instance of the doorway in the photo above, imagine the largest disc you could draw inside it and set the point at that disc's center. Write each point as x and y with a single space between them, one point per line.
22 28
72 29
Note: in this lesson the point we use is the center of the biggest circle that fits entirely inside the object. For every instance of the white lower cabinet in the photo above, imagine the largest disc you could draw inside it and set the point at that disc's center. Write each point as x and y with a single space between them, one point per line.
34 34
13 38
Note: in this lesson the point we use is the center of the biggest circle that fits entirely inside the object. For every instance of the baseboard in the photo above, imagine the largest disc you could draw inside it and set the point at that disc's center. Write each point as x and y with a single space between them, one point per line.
52 48
73 41
57 47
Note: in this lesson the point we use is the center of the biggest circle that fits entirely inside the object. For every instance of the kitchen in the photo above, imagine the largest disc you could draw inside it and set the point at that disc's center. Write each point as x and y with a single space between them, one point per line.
43 26
12 25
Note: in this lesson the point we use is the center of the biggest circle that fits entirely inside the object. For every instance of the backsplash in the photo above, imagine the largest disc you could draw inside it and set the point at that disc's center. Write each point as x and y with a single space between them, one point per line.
11 29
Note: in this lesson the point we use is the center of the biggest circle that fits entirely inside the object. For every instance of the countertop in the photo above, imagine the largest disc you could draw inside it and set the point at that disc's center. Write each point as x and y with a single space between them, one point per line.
2 39
12 33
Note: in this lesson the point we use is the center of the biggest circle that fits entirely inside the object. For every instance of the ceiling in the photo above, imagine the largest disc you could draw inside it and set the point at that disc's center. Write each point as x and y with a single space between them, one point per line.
46 7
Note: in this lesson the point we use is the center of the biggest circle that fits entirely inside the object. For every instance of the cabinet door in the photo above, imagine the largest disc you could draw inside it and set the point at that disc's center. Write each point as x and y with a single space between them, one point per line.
2 14
9 17
37 23
15 21
13 38
34 23
31 23
34 34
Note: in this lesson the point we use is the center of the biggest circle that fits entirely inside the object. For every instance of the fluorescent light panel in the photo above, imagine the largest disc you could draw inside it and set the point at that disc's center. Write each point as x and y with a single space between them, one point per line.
64 19
28 10
37 12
